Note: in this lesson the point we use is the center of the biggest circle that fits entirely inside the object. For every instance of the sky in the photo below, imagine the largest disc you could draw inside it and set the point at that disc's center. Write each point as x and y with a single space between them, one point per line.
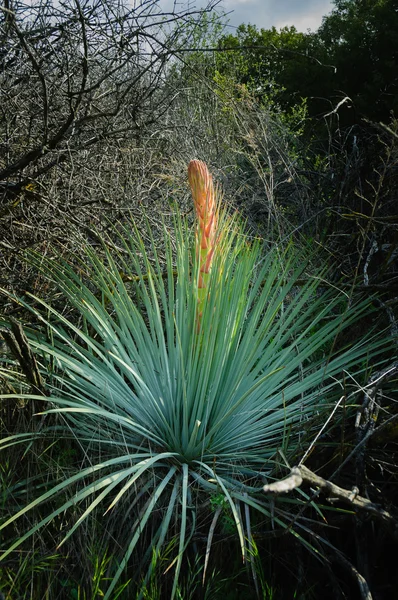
303 14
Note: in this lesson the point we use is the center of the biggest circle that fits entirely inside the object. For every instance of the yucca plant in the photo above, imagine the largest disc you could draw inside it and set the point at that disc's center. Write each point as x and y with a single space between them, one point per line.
170 413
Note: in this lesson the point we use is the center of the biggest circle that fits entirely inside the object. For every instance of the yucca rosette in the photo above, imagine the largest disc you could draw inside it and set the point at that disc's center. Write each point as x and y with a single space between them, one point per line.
205 200
168 421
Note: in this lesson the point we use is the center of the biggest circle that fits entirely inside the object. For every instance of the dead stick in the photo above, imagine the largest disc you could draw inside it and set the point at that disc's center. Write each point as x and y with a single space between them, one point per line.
334 492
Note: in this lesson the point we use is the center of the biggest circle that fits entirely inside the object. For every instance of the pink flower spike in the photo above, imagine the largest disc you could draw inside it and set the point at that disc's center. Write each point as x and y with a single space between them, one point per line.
204 198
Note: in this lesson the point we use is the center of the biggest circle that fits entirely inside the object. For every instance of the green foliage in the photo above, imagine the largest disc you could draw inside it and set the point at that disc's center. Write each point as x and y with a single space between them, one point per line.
282 67
360 38
353 53
33 576
219 502
29 576
168 416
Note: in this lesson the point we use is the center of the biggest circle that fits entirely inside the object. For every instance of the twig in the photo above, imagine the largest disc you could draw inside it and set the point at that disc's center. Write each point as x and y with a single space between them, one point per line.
336 108
17 342
375 382
360 579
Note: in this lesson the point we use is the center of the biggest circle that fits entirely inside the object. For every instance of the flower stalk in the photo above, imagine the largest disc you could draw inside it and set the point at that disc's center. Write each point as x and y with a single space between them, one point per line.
204 197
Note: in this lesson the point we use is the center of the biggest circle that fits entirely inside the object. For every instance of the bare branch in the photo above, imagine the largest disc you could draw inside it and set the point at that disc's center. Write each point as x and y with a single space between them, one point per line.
333 492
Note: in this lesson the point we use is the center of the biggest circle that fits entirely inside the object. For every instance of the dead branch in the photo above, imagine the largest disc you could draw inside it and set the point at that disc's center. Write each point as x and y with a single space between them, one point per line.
18 344
301 474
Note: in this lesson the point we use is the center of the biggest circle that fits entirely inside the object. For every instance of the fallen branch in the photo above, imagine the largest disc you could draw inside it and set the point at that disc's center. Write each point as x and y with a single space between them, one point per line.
333 492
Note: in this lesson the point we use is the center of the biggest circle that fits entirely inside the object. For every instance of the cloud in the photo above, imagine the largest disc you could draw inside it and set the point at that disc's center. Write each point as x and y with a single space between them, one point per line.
303 22
232 2
303 14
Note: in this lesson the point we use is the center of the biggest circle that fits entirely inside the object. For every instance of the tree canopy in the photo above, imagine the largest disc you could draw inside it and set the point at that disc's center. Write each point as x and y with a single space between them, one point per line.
353 54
